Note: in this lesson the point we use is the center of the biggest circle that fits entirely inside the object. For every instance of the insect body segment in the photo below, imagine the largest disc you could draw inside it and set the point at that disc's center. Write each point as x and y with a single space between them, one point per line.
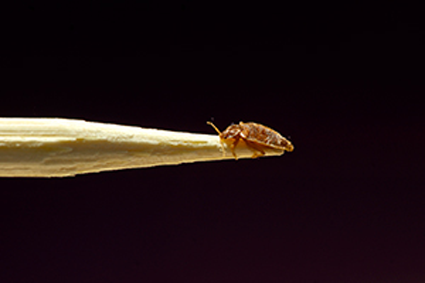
256 136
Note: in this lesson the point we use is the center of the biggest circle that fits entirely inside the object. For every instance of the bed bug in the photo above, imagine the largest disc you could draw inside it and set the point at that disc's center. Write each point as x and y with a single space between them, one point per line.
256 136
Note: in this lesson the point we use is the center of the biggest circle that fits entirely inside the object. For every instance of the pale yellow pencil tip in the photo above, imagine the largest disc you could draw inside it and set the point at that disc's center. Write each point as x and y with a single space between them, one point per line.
54 147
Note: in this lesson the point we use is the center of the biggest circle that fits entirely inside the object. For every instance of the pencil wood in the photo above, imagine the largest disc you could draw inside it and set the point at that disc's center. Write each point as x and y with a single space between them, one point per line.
55 147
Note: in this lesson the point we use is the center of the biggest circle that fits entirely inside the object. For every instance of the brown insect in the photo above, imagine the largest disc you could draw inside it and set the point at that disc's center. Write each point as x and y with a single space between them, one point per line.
256 136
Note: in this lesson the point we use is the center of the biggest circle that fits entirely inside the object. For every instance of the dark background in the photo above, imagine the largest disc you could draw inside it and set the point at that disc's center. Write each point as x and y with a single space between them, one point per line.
343 82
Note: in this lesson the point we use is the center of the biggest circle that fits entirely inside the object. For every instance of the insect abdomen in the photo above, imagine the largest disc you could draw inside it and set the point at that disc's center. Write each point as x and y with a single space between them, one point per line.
267 137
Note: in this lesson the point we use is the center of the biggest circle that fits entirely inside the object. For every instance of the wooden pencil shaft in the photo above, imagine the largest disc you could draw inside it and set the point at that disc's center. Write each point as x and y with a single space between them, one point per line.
55 147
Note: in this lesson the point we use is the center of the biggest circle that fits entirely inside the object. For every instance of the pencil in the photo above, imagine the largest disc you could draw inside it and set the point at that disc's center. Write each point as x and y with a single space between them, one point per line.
58 147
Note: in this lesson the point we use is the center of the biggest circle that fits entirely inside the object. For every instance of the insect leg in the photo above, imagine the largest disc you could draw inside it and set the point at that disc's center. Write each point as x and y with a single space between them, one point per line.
222 148
232 147
256 149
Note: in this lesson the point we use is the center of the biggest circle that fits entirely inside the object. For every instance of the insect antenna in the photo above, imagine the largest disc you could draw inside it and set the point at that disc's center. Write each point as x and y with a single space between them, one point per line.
219 133
215 128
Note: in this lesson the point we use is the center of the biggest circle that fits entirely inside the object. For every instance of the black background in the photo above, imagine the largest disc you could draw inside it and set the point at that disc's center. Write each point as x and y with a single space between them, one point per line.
343 82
